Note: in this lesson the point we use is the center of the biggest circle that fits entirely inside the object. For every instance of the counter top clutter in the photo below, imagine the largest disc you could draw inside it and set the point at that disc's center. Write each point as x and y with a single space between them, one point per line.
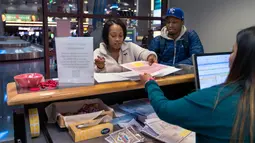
139 118
136 118
34 82
91 118
17 98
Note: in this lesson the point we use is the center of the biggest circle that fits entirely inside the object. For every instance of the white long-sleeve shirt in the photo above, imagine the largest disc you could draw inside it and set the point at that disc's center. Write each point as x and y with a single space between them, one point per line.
129 52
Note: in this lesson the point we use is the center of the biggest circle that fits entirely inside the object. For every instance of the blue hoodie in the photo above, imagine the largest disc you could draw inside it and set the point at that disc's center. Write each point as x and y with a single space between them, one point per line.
174 52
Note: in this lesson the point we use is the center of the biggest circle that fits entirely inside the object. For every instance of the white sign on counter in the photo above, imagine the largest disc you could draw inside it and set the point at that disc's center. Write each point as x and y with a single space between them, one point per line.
75 61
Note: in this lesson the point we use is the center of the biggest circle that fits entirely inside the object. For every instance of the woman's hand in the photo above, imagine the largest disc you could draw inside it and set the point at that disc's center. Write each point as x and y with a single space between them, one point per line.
145 77
152 59
100 62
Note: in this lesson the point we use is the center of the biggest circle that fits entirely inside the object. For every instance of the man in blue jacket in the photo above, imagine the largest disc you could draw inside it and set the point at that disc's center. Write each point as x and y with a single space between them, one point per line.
176 44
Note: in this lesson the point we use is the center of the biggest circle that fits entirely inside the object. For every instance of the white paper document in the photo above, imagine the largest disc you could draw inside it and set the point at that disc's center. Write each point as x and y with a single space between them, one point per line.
159 126
108 77
165 72
115 77
148 131
130 75
75 60
136 68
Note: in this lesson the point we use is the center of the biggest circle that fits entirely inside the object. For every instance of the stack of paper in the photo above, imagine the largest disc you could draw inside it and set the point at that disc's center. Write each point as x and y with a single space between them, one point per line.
154 127
136 68
108 77
115 77
122 117
165 132
130 75
141 108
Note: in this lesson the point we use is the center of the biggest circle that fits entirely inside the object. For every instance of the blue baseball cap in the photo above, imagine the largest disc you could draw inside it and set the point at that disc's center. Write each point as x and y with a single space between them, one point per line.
175 12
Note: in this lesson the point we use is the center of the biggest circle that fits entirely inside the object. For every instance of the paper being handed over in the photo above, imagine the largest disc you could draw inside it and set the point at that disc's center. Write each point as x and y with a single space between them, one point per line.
155 69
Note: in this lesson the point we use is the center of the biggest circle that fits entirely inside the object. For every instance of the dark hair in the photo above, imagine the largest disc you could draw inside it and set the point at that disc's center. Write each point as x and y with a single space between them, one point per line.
243 67
242 73
107 26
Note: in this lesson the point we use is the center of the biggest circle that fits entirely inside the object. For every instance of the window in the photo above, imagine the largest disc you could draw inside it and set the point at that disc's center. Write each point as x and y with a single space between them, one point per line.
88 16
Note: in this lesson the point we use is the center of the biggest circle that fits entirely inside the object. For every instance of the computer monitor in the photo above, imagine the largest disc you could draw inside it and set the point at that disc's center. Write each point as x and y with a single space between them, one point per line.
211 69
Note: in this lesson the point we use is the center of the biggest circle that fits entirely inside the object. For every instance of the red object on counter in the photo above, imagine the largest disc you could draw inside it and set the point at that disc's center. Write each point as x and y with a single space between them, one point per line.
35 89
28 80
50 84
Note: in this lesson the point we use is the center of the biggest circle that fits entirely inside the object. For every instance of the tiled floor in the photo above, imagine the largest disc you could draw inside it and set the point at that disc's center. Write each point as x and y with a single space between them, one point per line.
7 71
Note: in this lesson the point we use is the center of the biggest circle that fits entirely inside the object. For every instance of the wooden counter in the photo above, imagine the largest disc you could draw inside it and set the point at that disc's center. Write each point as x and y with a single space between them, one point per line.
75 92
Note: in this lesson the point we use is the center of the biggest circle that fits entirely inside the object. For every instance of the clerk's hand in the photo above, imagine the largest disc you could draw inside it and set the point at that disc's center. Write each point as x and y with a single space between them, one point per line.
145 77
100 62
152 59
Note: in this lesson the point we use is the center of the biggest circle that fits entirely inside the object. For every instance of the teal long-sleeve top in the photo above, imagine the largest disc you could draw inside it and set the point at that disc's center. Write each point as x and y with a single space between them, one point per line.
196 111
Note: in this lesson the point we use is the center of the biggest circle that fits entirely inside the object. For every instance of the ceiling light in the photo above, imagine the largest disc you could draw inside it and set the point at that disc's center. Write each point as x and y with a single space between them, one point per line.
125 4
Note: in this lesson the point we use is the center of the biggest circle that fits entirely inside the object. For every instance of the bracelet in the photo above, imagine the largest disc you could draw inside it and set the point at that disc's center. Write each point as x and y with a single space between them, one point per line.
151 78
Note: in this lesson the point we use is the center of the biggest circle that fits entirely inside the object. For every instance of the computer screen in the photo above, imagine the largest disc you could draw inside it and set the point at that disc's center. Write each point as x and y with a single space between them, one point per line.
211 69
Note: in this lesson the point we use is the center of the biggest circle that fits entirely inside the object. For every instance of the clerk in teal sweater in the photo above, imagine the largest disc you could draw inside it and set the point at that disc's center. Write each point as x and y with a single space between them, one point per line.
220 114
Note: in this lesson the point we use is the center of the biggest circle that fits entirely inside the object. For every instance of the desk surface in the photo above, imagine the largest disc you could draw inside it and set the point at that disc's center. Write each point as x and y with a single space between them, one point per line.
75 92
